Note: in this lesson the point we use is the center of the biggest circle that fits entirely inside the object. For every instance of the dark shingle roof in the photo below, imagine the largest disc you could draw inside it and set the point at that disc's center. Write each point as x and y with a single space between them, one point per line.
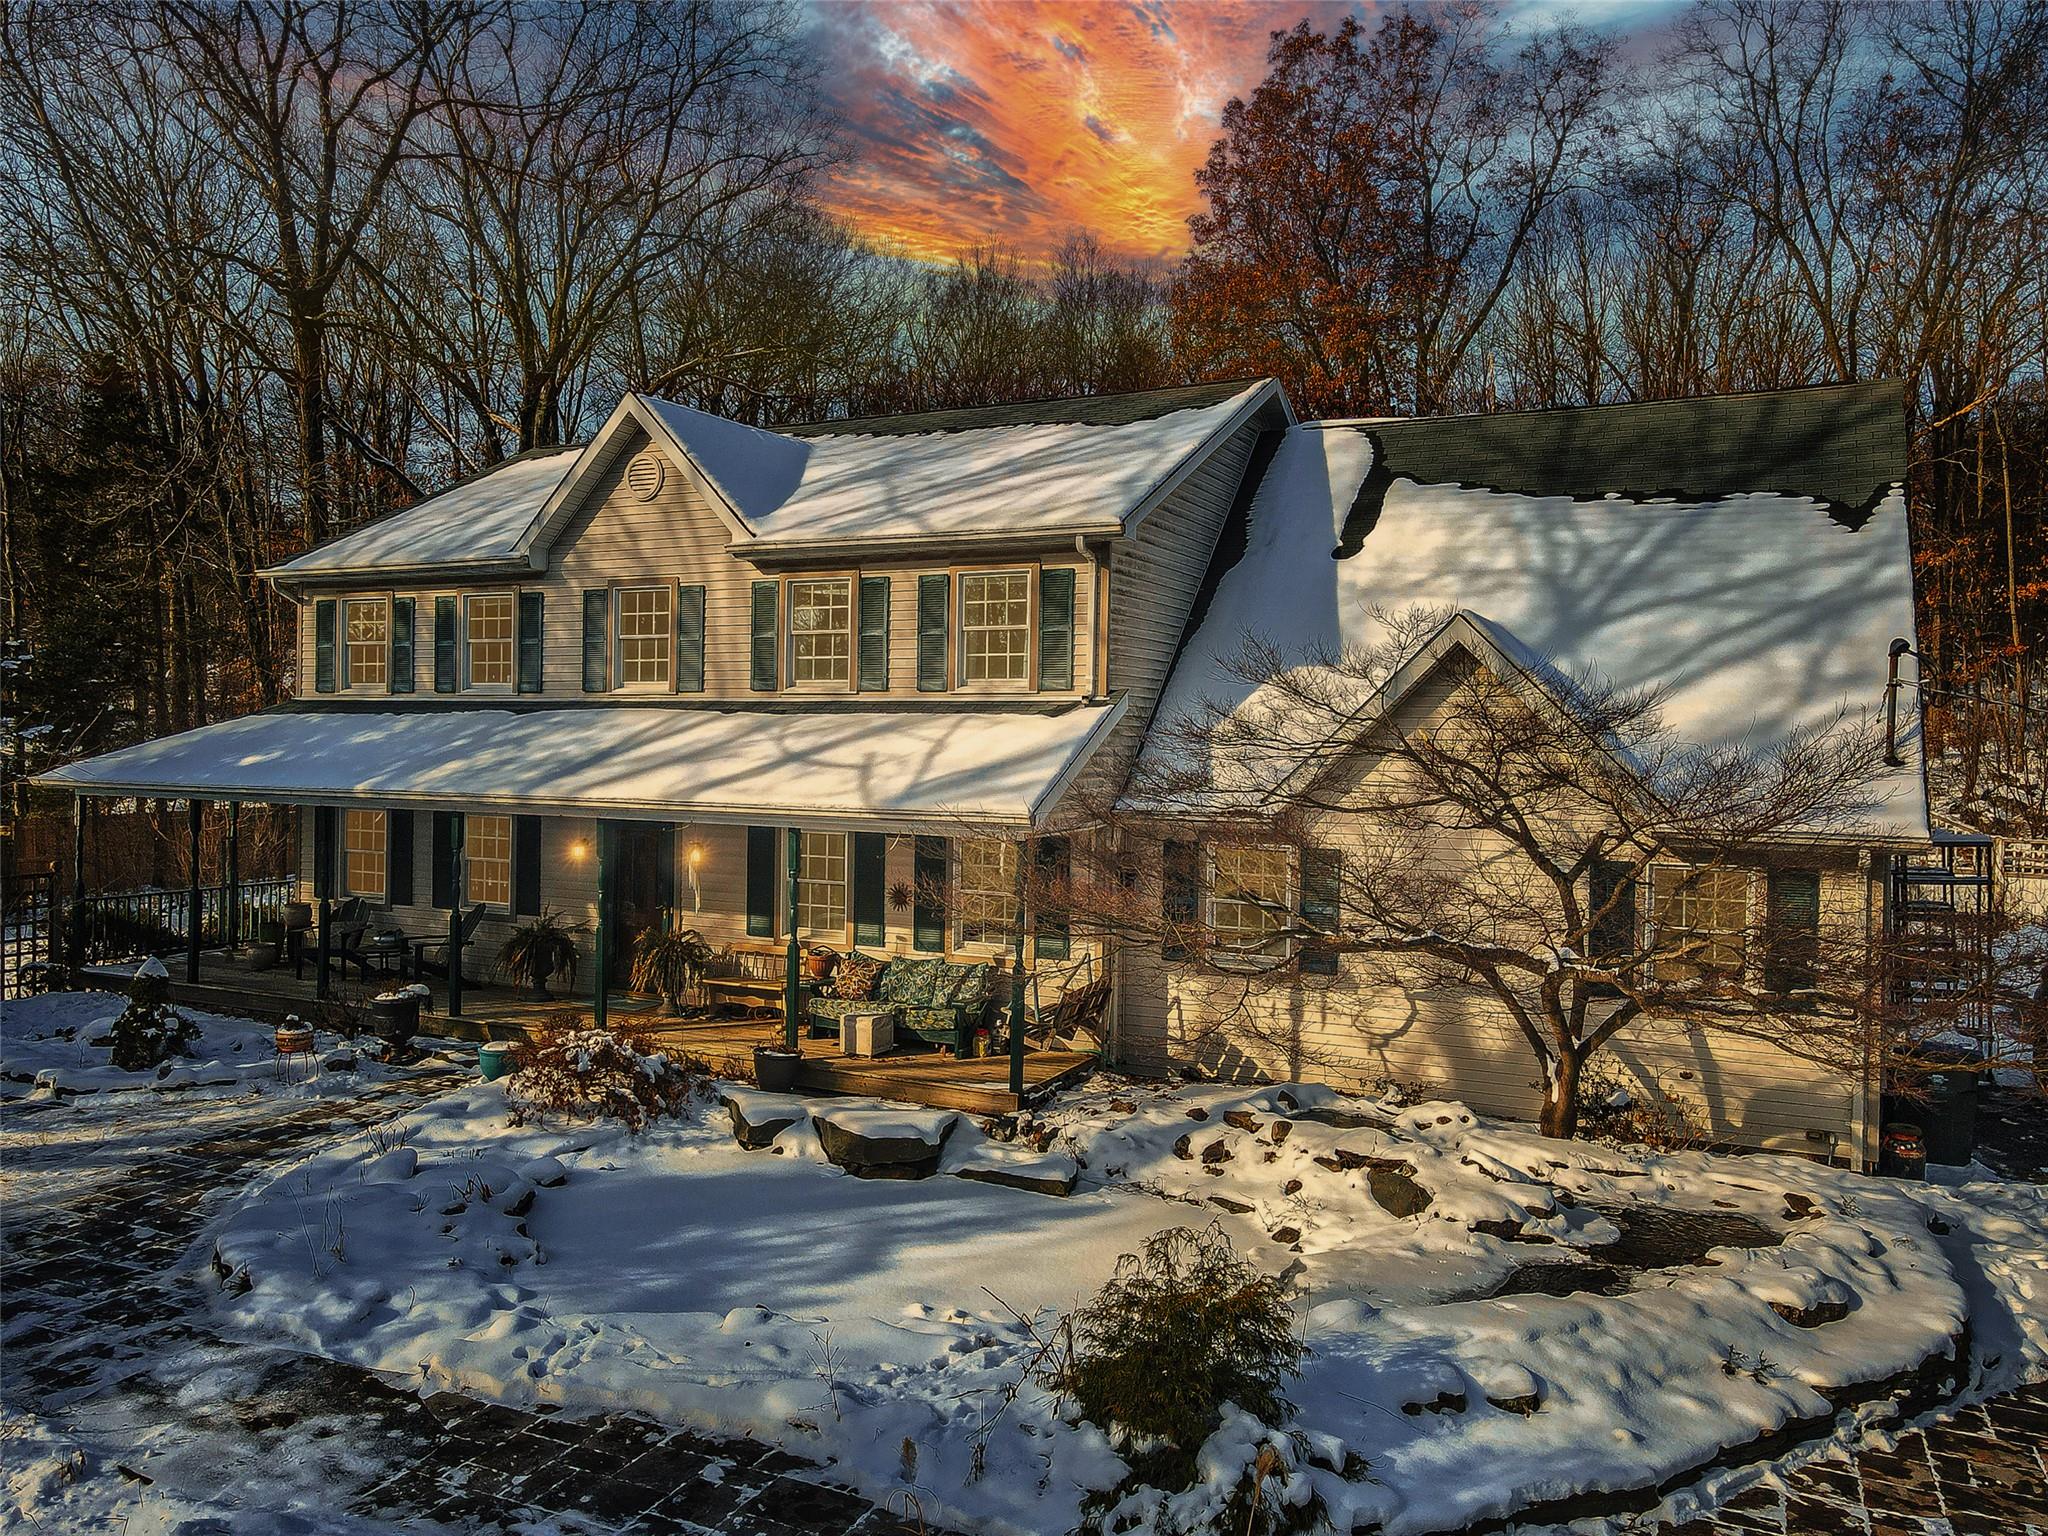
1842 444
1084 410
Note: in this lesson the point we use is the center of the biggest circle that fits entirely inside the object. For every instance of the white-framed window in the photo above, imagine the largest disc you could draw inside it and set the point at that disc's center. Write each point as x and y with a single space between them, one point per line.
489 621
647 637
487 860
821 884
363 844
821 631
366 647
1704 906
988 891
1251 891
995 628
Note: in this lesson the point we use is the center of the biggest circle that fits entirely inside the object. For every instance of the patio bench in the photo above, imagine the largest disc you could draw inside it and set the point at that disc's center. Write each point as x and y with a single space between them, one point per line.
939 1001
749 973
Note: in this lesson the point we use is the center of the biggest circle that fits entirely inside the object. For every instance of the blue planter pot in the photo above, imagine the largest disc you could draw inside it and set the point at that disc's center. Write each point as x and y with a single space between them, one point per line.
495 1058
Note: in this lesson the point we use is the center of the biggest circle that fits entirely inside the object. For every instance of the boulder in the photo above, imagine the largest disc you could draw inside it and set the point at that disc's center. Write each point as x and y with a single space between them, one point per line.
1216 1152
1184 1148
1243 1119
1278 1130
1198 1113
1225 1203
758 1118
1343 1119
1443 1402
1286 1237
1800 1208
1815 1316
1397 1192
1291 1187
1042 1175
883 1141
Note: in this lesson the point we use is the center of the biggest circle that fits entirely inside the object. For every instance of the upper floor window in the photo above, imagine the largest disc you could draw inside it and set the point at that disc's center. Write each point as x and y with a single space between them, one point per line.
995 627
1702 911
366 651
363 844
988 891
821 631
1251 893
821 883
490 621
646 637
487 860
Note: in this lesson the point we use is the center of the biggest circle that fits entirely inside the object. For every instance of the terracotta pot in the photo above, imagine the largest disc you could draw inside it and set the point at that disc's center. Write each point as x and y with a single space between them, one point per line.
818 966
294 1039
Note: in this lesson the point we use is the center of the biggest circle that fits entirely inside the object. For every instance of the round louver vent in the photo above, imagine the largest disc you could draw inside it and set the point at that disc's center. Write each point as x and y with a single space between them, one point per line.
643 476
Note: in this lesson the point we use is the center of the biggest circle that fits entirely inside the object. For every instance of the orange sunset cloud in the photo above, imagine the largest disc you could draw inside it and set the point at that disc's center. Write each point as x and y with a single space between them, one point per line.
1021 120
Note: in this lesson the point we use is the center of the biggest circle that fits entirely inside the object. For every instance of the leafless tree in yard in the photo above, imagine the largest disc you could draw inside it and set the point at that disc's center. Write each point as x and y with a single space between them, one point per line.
1544 841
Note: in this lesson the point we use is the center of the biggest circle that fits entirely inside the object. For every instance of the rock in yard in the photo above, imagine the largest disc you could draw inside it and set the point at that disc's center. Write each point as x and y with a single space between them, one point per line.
1397 1193
1184 1148
1443 1402
1291 1187
1198 1113
1235 1207
546 1172
1821 1312
1122 1107
1286 1237
884 1142
1216 1152
1278 1130
1243 1119
758 1118
1800 1208
1018 1169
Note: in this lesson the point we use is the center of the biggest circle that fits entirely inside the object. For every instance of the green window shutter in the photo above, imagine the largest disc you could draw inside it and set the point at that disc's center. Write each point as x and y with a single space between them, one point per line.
323 645
324 820
874 634
597 639
1052 937
398 858
665 866
1613 932
526 866
445 679
870 905
1322 883
401 644
767 636
447 830
1792 947
1055 630
928 882
932 593
532 632
761 870
1180 896
689 639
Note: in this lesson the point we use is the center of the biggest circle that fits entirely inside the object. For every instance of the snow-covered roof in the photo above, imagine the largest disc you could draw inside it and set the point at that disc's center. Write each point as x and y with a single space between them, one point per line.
479 520
1044 469
983 766
1758 613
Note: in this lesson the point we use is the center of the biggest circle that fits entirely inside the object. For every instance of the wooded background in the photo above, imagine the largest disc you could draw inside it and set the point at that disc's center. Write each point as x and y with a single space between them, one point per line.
274 269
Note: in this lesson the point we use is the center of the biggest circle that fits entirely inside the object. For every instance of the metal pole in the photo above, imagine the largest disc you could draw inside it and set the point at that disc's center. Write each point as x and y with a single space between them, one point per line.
1017 987
601 949
326 946
793 843
193 811
456 838
232 923
77 913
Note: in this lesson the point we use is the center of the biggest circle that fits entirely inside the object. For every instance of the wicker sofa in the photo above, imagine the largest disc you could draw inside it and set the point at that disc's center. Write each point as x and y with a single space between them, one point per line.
939 1001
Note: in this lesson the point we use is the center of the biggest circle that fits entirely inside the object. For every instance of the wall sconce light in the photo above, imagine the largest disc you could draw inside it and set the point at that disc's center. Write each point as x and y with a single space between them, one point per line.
694 858
578 851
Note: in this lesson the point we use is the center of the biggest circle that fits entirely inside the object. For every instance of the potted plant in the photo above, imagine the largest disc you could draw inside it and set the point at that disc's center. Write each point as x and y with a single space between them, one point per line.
669 961
818 961
395 1017
775 1068
539 949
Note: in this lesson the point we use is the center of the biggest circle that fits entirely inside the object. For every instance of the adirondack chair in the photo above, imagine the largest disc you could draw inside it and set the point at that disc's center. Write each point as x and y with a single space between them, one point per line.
430 956
346 923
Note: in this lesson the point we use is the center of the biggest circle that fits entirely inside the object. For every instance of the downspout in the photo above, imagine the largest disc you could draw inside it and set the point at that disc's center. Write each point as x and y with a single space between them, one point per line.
1891 703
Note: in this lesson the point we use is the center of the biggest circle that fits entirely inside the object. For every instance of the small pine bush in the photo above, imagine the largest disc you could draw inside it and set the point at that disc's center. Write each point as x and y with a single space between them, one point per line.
570 1067
1180 1329
150 1031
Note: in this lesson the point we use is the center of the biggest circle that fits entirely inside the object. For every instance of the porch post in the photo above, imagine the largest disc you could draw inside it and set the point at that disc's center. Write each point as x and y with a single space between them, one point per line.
1017 985
601 948
75 934
794 852
456 834
232 921
194 896
326 947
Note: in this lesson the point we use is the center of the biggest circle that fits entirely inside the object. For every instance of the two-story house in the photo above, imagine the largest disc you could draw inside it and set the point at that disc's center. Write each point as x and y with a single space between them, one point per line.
831 679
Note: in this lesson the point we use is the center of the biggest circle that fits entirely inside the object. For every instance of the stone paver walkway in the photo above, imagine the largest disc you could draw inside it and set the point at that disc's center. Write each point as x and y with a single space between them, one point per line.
98 1332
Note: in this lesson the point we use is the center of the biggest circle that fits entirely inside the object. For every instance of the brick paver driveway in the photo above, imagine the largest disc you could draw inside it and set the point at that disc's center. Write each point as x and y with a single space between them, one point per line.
102 1336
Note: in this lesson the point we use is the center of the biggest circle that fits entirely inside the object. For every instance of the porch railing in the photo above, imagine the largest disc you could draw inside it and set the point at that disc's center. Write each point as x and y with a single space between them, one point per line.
126 923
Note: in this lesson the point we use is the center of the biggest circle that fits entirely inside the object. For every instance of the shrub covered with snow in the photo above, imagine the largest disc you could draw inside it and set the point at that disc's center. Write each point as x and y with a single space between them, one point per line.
150 1031
1181 1329
570 1067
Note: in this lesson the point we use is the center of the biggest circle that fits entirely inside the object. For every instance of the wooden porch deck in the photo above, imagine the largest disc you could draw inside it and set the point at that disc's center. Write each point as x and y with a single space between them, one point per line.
978 1085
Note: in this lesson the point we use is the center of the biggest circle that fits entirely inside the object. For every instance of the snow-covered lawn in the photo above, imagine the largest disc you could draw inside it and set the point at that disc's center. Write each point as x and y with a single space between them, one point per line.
880 1324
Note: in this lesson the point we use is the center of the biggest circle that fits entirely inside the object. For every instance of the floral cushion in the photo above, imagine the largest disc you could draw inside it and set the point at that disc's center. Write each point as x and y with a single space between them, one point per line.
856 977
910 983
964 986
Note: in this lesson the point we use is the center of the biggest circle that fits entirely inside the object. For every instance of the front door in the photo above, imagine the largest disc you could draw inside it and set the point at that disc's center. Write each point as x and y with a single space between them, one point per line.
642 881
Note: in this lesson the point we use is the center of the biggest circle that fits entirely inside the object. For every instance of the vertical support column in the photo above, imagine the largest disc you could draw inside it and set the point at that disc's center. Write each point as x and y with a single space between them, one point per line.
1017 982
75 928
194 896
325 949
232 920
793 854
601 949
456 831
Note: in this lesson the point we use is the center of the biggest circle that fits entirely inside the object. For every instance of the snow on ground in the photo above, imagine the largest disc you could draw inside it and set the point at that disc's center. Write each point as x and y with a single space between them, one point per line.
769 1294
47 1046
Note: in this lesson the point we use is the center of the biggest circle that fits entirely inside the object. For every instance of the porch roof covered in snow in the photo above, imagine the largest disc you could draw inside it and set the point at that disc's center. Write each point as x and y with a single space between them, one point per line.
991 768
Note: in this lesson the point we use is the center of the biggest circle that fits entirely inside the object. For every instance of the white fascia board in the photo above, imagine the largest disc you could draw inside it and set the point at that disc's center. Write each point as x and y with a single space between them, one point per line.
1255 401
918 543
1049 797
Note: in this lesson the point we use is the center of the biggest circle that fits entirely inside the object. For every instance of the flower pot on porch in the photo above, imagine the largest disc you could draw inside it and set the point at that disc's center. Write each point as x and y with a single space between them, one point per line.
543 969
262 955
395 1019
298 916
775 1069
